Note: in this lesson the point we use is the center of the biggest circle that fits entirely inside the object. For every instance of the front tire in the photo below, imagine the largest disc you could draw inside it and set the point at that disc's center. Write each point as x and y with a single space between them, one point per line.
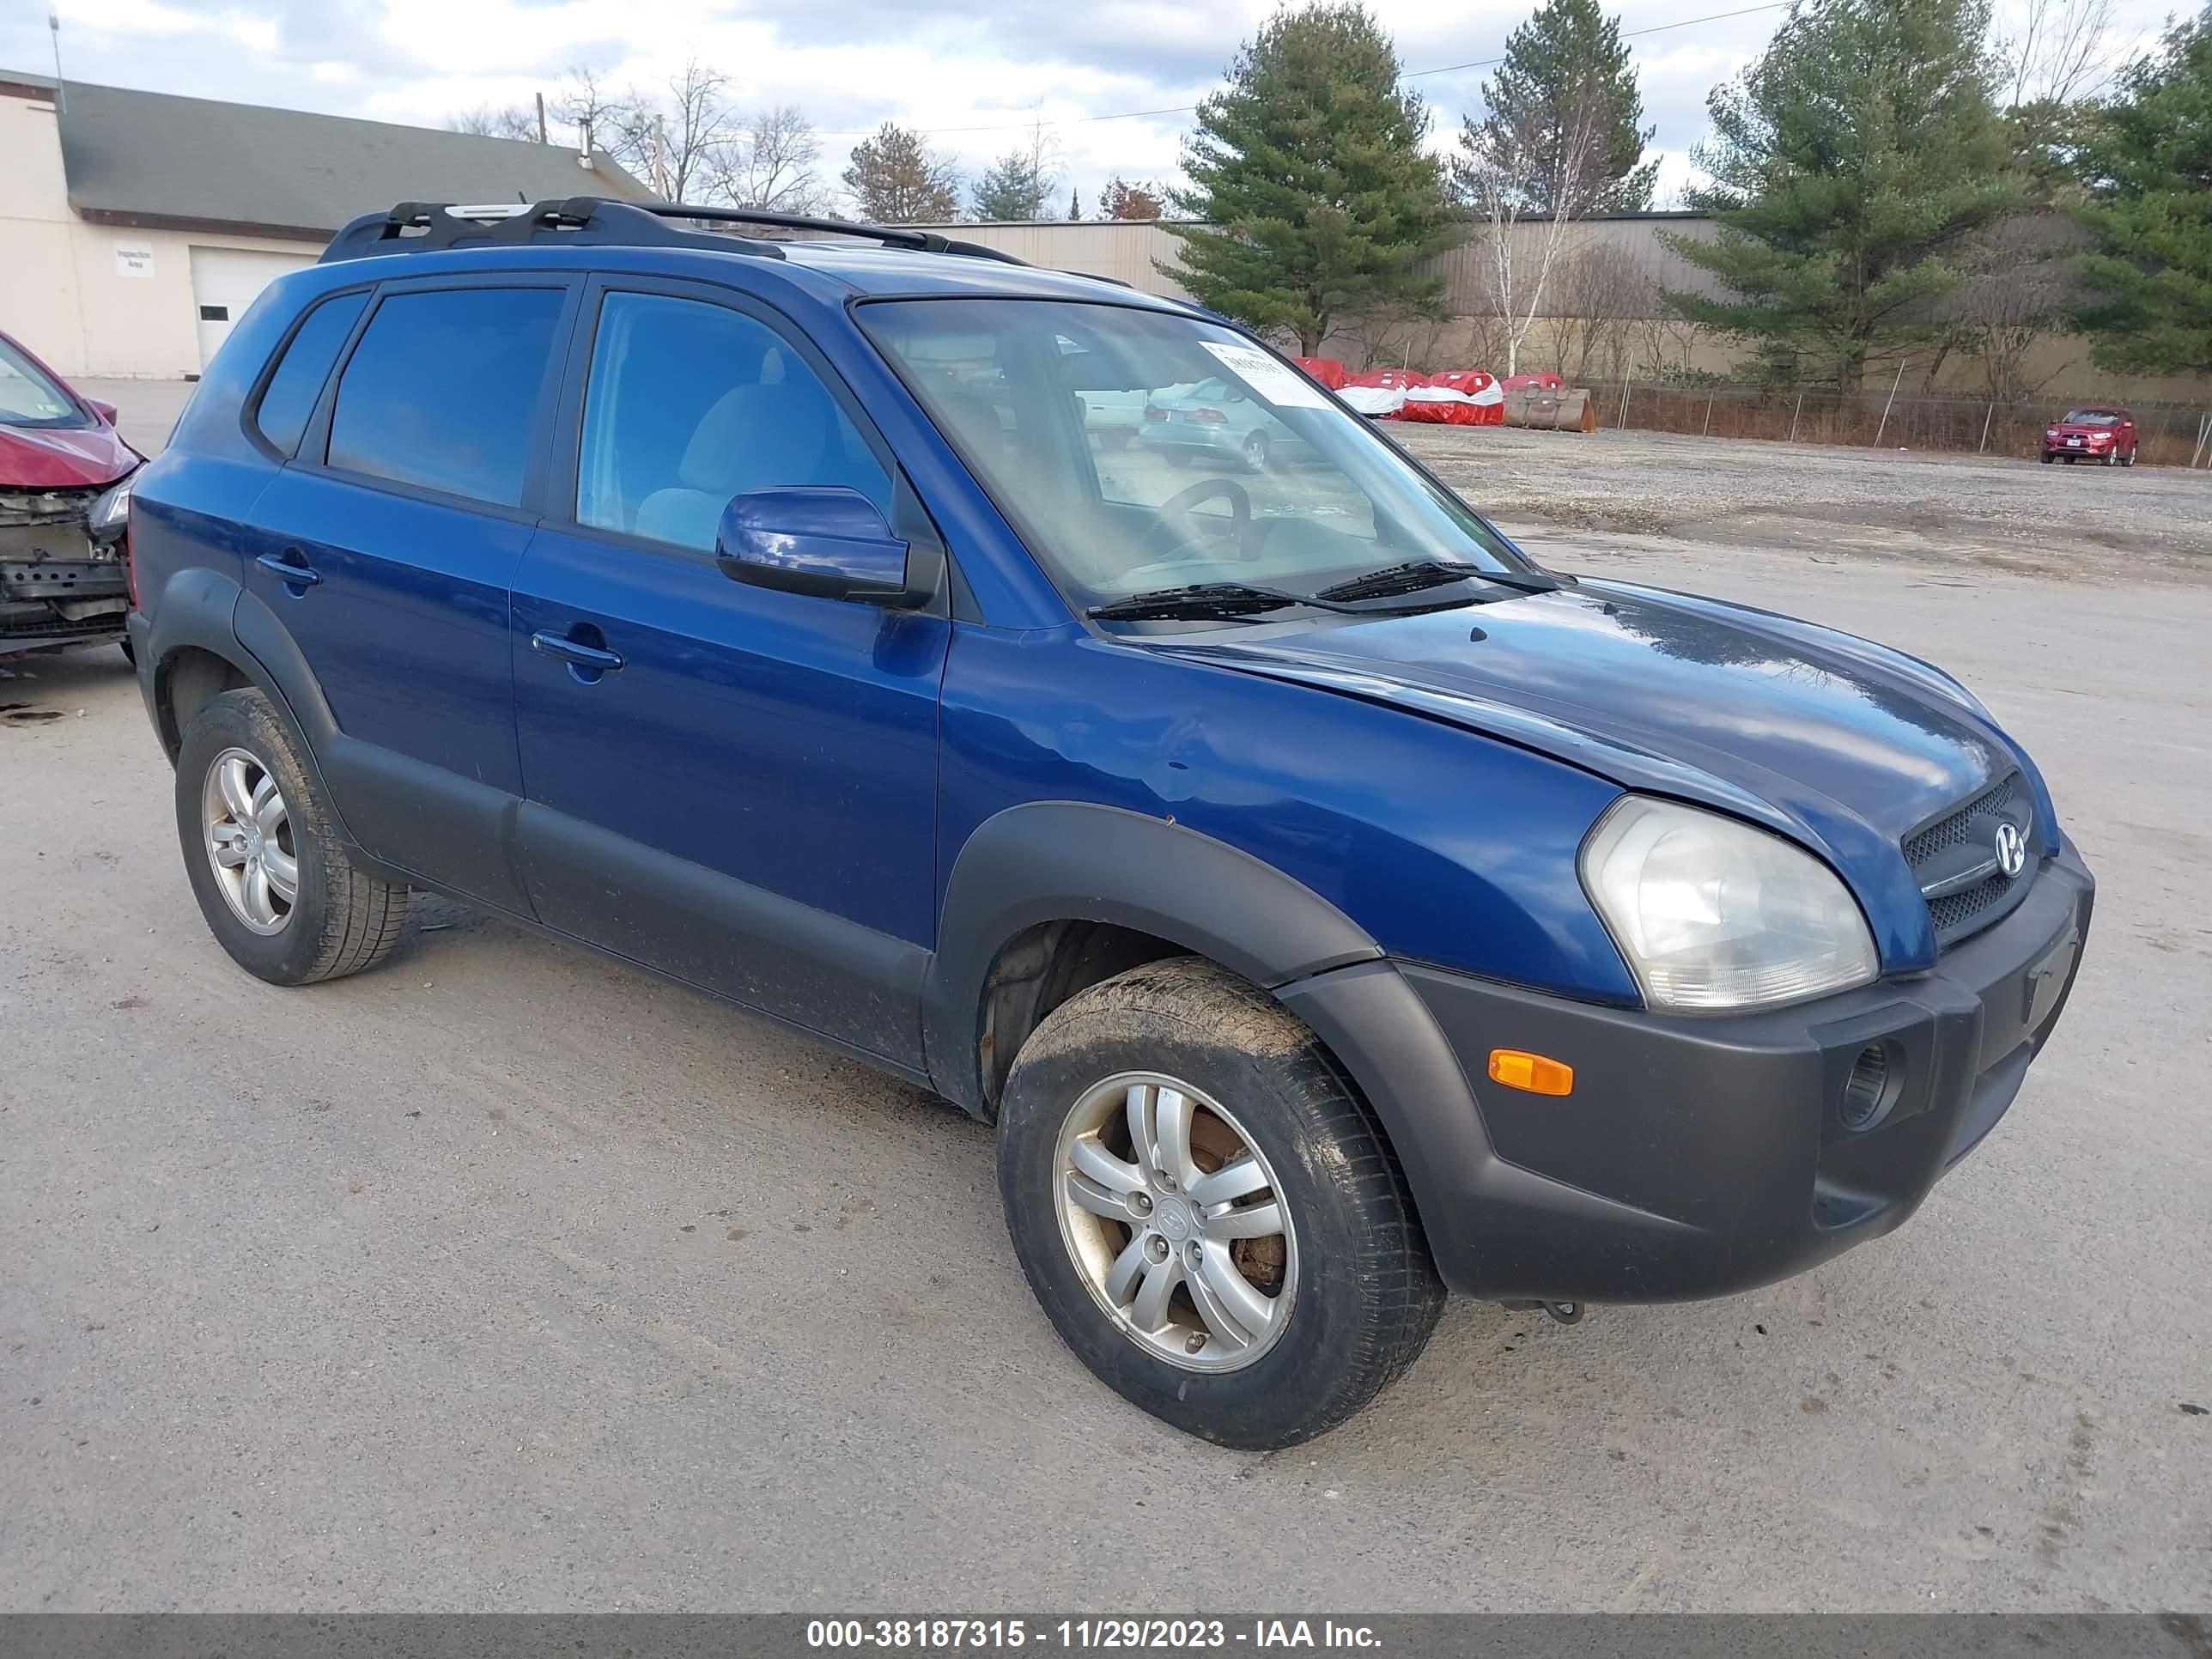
1207 1212
265 862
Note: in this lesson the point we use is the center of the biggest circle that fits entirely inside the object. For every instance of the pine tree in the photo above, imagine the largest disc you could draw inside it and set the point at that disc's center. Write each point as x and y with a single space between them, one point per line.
1565 102
1317 198
1074 203
1850 161
896 179
2148 166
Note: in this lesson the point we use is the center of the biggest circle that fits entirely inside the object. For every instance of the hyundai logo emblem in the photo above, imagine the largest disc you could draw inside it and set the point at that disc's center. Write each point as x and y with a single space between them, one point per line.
2012 850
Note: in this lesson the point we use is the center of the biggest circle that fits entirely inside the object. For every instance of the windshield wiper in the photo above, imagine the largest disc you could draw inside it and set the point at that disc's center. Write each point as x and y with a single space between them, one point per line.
1198 600
1412 577
1201 600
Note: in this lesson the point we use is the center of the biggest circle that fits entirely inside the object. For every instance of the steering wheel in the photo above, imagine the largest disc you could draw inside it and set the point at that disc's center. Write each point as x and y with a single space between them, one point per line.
1179 506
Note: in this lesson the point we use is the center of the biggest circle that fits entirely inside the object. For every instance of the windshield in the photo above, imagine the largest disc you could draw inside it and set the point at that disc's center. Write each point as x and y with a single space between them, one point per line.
2091 417
31 396
1138 451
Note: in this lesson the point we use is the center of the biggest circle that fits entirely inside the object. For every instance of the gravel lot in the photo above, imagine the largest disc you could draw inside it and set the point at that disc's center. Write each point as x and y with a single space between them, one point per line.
504 1277
2137 523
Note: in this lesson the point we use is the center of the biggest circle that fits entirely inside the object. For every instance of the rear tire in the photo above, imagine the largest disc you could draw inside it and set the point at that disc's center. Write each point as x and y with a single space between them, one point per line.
253 826
1311 1320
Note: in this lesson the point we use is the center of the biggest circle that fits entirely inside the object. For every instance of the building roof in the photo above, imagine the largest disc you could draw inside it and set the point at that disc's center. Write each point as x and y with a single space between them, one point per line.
154 158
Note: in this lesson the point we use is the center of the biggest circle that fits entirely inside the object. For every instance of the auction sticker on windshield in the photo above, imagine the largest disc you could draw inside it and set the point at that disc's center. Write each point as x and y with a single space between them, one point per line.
1284 387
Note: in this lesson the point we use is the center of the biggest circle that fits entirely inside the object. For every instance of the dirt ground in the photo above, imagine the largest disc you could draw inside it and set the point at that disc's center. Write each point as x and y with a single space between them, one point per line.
504 1277
2087 523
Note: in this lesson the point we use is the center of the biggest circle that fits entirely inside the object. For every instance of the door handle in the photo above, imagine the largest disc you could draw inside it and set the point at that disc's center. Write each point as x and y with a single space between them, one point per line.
299 576
576 652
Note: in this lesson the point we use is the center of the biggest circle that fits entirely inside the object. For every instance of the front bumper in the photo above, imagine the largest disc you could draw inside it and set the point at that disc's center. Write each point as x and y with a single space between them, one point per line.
61 601
1695 1156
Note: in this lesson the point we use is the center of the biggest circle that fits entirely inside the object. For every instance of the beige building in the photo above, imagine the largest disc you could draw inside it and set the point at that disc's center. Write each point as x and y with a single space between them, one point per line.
1599 318
136 228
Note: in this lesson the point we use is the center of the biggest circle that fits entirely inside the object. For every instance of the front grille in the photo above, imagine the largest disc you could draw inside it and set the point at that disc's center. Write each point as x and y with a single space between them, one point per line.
1961 837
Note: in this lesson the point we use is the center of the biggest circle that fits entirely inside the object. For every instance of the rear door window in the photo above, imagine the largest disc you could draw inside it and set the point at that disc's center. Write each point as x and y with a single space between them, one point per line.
288 399
443 389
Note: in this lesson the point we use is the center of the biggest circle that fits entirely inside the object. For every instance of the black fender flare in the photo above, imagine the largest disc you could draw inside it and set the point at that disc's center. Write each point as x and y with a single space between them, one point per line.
1046 861
208 610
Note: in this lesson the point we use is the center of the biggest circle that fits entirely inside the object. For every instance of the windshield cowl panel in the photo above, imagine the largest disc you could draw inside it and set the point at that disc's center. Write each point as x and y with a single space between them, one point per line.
1139 452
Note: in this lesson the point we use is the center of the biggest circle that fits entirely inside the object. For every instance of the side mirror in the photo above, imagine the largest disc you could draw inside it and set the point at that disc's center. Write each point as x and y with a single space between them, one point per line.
102 408
825 540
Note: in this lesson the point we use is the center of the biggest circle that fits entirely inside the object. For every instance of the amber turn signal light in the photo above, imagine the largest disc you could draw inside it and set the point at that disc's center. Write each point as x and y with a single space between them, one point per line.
1517 1068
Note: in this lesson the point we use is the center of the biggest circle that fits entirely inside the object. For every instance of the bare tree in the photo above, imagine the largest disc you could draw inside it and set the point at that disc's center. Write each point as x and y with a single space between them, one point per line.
2050 74
1664 342
1526 236
2062 53
1598 293
769 166
1395 335
690 137
2019 279
601 118
494 121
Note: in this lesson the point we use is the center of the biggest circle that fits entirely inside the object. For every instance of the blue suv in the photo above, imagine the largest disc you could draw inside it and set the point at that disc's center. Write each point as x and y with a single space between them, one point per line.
1328 906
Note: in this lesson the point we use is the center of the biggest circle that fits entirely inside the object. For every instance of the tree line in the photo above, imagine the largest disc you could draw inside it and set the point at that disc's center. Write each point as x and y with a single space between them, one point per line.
689 141
1885 180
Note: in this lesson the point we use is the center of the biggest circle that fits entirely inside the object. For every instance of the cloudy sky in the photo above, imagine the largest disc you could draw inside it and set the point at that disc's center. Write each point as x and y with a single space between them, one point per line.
975 75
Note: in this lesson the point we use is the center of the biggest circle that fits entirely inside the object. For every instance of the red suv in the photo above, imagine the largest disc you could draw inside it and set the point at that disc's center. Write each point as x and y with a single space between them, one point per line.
2106 434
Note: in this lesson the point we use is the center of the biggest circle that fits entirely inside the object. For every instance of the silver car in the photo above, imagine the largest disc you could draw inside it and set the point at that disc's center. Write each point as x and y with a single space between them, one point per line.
1214 421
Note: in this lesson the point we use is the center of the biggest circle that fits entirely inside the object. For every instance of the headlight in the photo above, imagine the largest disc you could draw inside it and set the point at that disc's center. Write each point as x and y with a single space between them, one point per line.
1713 914
113 510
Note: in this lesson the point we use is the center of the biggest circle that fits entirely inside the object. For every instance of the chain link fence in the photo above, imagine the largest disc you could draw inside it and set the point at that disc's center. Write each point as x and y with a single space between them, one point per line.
2168 433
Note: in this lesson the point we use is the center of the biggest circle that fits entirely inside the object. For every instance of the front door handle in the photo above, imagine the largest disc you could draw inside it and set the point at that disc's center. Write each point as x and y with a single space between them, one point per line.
594 657
281 565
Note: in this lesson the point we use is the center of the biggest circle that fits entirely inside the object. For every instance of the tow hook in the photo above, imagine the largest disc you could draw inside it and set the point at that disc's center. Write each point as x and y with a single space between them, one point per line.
1567 1313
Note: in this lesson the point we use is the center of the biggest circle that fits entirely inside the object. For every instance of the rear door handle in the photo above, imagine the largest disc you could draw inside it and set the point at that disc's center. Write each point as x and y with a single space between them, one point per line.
574 651
281 565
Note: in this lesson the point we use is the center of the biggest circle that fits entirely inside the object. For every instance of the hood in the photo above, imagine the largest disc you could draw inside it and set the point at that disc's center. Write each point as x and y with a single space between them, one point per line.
1840 743
61 458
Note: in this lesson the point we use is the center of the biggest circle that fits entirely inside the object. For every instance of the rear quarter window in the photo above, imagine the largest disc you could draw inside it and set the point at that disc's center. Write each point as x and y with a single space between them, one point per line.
289 400
443 388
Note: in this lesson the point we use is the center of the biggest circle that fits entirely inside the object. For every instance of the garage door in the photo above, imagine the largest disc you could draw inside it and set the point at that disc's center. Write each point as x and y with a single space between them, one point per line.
226 280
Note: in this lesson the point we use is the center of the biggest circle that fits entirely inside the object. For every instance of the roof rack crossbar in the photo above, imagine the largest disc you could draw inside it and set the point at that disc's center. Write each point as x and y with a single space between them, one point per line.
425 227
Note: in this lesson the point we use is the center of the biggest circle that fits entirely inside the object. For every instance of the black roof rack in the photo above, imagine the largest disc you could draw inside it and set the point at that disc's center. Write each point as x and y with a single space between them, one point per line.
423 227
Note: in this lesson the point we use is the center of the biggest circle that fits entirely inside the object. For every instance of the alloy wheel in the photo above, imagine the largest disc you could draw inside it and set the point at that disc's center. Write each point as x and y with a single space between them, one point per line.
1174 1220
248 829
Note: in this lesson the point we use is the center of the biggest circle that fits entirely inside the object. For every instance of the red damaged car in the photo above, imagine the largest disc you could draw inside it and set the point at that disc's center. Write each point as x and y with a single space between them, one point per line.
64 510
2104 435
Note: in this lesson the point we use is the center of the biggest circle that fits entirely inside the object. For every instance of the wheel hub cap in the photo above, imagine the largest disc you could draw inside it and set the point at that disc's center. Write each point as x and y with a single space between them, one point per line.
248 829
1171 1213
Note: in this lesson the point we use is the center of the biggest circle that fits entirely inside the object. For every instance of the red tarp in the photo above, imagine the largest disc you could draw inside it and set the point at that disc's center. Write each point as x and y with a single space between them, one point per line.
1547 382
1329 371
1447 412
